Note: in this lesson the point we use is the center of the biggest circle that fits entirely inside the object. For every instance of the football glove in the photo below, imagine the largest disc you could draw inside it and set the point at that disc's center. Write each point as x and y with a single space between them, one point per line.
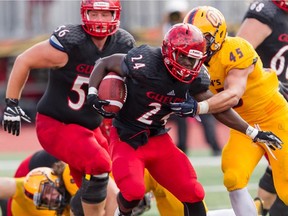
187 108
94 101
268 138
12 117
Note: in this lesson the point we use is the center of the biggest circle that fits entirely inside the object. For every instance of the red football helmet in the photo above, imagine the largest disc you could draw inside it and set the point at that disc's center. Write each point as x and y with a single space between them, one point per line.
100 28
184 42
283 4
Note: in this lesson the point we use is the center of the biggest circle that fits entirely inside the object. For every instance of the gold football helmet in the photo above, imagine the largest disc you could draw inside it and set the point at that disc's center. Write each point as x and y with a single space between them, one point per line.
69 182
212 24
43 187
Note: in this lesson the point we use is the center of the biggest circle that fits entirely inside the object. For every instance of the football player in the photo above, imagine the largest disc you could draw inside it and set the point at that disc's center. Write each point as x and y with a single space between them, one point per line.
265 26
238 80
43 159
167 204
65 125
156 80
43 191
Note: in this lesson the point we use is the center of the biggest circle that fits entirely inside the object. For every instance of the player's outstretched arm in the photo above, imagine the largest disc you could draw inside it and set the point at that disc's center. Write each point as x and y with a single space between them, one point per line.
7 187
233 120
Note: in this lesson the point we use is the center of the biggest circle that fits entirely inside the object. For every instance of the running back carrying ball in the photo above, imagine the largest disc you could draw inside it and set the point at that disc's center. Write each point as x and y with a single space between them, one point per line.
113 89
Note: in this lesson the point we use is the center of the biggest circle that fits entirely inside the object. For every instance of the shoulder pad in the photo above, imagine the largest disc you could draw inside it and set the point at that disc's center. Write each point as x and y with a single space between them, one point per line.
124 37
236 52
143 58
65 37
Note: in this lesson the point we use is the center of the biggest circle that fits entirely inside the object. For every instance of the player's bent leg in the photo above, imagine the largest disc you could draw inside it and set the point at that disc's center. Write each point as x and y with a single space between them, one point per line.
76 205
111 201
238 193
167 203
240 198
94 193
111 204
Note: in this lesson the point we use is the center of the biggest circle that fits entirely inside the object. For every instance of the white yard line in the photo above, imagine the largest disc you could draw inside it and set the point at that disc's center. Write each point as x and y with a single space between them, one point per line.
196 161
214 161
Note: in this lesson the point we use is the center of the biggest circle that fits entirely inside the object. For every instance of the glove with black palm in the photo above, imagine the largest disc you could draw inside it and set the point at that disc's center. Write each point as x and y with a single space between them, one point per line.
94 101
266 137
187 108
270 139
12 117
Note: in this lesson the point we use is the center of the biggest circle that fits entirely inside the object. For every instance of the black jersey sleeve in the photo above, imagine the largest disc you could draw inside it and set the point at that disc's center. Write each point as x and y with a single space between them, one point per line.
201 83
125 39
263 10
144 61
65 37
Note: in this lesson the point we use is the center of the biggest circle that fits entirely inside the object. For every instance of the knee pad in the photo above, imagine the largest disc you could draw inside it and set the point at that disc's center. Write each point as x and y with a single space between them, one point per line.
266 181
230 180
94 188
76 205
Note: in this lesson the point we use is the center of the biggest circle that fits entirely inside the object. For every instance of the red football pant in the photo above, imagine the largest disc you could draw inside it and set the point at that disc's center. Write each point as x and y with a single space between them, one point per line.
168 165
86 151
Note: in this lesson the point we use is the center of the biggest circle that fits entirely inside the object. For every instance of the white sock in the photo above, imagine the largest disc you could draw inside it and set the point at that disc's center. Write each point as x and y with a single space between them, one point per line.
242 203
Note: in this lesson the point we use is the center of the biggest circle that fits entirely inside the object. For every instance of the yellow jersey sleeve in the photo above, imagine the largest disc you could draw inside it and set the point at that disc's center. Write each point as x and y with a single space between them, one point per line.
237 53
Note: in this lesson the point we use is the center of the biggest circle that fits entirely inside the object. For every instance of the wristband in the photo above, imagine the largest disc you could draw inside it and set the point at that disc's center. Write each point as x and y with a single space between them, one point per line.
203 107
251 132
92 90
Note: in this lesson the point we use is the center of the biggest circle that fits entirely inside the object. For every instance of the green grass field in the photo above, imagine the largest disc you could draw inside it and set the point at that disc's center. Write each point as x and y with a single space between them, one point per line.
207 167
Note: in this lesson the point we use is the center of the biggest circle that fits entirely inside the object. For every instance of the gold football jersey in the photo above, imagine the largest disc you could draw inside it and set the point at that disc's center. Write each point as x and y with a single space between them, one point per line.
261 84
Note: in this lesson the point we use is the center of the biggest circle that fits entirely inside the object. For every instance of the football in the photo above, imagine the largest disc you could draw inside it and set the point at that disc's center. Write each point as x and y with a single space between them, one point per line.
113 89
